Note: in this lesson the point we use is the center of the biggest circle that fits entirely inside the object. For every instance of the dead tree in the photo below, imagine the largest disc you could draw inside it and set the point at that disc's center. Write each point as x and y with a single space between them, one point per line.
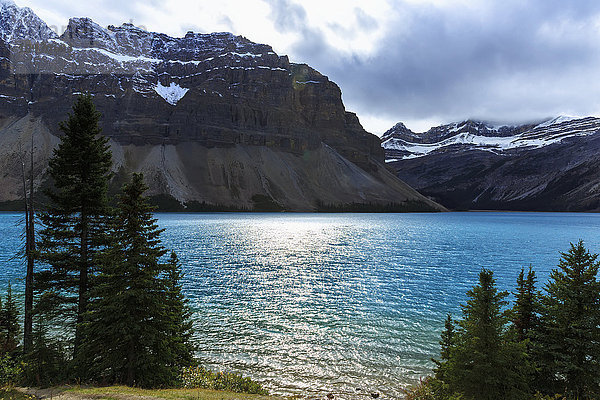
29 252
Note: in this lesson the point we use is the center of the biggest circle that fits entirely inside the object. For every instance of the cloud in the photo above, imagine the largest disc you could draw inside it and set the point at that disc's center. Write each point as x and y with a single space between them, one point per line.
503 61
287 15
364 20
226 21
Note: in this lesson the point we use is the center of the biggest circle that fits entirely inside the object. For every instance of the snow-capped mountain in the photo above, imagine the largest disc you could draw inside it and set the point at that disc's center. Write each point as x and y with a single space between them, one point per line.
401 143
22 23
212 118
549 165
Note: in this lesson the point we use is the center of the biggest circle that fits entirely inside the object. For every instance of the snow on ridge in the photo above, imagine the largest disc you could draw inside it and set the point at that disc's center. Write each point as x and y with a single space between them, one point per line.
486 143
479 125
544 134
172 93
558 120
247 54
118 57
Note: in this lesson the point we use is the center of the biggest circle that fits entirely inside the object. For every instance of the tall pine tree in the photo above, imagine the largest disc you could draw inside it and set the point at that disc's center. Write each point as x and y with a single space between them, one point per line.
74 225
137 323
570 331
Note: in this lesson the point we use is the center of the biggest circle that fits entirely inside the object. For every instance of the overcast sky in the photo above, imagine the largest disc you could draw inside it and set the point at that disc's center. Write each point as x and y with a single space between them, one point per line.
423 62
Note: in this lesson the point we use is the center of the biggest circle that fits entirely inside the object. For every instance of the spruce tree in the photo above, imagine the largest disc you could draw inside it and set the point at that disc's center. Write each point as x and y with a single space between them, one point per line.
571 325
486 364
75 223
525 313
177 315
441 382
9 324
447 344
136 325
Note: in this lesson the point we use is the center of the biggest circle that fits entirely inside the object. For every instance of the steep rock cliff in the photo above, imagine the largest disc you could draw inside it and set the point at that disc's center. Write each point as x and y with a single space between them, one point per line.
210 118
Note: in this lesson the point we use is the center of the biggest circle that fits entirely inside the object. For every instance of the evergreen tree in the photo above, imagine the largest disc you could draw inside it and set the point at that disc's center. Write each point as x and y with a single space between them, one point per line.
440 383
486 364
9 324
45 362
447 344
75 223
177 318
525 313
571 325
136 328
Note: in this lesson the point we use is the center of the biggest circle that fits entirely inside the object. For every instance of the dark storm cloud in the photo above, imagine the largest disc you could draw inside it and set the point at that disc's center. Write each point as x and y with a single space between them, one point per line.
501 60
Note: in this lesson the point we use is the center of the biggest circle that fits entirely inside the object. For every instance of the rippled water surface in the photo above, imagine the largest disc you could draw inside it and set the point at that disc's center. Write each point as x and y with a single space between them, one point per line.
311 303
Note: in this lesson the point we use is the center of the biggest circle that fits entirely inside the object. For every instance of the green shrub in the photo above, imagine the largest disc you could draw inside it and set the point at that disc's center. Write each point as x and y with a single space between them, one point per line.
539 396
11 371
430 388
202 378
421 391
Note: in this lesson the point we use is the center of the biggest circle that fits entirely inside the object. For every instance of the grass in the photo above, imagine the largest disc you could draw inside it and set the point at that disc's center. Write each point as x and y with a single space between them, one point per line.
10 393
129 393
126 393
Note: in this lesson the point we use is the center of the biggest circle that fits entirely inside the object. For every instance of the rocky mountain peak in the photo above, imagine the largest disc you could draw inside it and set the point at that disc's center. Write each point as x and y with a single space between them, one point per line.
129 40
22 23
400 127
85 33
399 131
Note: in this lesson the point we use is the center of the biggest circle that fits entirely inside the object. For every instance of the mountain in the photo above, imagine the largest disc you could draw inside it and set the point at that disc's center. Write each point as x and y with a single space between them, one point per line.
552 165
209 118
22 23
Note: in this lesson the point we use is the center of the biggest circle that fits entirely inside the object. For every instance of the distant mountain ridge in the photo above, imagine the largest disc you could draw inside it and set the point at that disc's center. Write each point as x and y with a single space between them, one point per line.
552 165
481 135
210 118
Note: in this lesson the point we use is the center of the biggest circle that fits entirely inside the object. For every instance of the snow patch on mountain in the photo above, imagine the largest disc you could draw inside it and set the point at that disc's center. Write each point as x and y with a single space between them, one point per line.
172 93
120 57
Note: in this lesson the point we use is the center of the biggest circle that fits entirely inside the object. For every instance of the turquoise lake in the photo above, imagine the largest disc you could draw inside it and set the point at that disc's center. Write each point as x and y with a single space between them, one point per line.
317 303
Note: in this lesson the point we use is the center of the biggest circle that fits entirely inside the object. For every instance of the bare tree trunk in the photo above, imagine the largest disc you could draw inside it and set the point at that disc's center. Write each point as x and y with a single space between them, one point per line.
30 254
